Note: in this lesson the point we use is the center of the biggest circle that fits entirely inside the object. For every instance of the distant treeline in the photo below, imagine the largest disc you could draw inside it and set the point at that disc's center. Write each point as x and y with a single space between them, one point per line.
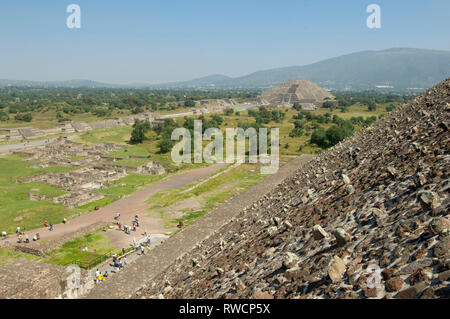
368 98
102 101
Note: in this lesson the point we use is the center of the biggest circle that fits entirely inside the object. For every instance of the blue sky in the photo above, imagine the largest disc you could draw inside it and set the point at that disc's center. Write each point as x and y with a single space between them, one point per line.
156 41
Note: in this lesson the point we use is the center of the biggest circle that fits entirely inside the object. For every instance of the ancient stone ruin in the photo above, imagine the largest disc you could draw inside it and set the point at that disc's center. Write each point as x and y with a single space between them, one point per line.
96 170
307 93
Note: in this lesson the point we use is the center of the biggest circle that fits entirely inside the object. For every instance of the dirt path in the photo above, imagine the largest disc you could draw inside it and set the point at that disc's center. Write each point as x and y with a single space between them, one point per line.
128 206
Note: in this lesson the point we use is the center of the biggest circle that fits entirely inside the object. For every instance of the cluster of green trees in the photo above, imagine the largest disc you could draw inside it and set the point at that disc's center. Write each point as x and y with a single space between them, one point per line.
359 120
330 137
265 116
368 98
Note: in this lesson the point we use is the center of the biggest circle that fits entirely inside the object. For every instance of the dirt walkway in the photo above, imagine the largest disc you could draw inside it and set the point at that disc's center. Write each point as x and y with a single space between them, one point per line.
128 206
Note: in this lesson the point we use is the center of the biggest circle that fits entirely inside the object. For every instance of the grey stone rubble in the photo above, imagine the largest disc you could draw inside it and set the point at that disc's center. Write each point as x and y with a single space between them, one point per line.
27 279
389 236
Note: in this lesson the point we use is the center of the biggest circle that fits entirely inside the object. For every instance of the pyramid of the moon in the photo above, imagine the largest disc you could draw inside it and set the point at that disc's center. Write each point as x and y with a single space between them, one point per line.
305 92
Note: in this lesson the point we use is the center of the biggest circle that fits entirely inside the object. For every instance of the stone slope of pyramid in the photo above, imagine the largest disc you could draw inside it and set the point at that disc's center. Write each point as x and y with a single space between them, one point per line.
305 92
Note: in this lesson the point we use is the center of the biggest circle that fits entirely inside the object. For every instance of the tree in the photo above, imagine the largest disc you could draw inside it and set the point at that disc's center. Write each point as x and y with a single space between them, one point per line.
371 106
137 135
318 137
165 145
337 133
139 130
329 105
297 106
4 116
189 103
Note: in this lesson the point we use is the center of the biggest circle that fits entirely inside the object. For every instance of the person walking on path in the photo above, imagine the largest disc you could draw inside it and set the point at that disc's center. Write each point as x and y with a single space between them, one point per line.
51 227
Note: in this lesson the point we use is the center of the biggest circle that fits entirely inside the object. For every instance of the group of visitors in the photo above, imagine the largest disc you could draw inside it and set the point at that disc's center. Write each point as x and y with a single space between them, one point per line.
100 277
50 226
127 229
22 237
118 264
26 240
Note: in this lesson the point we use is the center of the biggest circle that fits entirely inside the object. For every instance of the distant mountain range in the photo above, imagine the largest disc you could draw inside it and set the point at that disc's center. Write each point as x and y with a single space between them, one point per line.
400 69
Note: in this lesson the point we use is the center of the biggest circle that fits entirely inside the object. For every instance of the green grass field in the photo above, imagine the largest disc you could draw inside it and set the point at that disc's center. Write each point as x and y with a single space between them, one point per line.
210 194
14 200
118 135
70 252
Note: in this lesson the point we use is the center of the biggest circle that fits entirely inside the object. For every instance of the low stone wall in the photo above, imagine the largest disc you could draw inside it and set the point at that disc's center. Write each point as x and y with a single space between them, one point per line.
29 250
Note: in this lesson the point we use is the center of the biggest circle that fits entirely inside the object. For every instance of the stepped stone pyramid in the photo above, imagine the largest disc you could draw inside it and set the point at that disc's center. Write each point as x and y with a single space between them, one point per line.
305 92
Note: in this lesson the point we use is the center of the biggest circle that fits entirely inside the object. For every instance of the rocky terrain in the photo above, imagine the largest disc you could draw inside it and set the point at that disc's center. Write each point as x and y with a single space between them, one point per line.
366 219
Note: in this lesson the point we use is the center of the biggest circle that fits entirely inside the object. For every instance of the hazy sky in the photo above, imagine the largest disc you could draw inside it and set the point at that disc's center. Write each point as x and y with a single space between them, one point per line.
156 41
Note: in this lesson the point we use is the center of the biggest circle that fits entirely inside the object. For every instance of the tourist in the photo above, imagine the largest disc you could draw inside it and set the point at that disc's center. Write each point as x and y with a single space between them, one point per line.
3 234
180 224
64 220
114 257
142 250
120 225
125 261
19 240
51 227
35 238
45 224
123 251
105 276
97 275
38 237
18 230
27 240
